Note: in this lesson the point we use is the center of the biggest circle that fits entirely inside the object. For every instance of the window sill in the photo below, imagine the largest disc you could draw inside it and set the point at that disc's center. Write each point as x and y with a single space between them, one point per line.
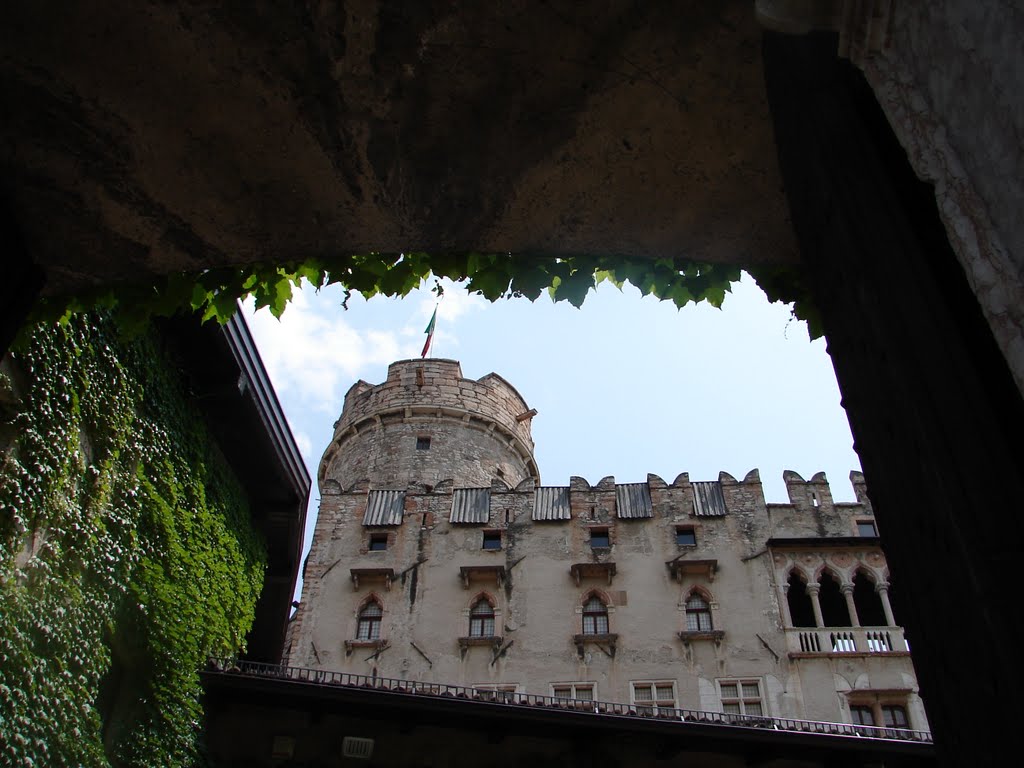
610 639
713 635
493 640
378 644
704 568
469 572
580 571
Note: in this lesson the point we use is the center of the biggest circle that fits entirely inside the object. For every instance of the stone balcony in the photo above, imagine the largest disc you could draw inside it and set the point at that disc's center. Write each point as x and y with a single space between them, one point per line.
833 641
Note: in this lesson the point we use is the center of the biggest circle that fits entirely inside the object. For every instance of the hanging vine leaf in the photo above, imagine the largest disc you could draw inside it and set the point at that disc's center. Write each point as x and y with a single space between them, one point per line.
215 292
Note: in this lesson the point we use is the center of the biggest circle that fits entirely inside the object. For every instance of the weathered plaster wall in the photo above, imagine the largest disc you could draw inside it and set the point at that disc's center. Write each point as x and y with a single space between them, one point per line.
145 138
538 606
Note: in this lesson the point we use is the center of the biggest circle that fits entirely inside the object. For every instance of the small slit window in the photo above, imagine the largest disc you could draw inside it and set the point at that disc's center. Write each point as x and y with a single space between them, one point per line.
422 443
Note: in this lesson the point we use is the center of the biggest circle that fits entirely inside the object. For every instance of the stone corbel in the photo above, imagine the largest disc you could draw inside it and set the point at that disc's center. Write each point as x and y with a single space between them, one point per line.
366 574
580 571
467 572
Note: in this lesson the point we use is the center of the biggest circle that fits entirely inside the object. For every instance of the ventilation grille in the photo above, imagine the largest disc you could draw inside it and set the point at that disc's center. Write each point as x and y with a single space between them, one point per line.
357 747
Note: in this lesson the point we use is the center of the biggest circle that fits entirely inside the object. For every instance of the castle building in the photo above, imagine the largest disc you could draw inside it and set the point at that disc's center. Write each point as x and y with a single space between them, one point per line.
439 558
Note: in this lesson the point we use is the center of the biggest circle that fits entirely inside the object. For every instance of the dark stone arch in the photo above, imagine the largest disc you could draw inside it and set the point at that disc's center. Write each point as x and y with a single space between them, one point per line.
868 601
833 604
800 611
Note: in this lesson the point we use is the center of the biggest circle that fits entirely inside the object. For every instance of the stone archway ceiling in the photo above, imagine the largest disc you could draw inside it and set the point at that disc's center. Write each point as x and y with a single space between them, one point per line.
147 137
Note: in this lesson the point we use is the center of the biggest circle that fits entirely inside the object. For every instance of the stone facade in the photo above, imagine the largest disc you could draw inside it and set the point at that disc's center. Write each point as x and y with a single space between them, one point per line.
697 595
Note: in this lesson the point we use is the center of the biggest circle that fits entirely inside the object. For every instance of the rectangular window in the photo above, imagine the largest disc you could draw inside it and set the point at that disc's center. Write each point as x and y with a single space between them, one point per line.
492 540
499 693
600 538
577 691
422 443
654 698
866 528
378 542
862 714
895 716
741 697
686 536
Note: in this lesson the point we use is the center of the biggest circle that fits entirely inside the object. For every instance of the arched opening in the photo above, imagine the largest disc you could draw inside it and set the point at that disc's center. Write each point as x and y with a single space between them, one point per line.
370 617
698 613
868 602
833 605
481 619
595 616
800 611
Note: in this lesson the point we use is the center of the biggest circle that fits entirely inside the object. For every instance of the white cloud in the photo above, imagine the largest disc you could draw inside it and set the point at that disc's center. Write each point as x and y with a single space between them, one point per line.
455 302
313 355
305 446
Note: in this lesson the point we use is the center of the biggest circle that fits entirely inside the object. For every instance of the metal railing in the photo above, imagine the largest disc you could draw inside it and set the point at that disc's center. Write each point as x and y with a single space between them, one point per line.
601 708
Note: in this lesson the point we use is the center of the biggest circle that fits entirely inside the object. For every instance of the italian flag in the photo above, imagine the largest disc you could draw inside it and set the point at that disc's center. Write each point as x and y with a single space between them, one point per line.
429 330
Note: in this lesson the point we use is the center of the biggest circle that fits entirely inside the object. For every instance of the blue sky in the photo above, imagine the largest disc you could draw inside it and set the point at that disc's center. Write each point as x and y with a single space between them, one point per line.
624 386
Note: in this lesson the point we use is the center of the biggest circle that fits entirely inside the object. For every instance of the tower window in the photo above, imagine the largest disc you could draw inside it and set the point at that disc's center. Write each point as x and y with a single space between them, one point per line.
600 538
422 443
866 528
378 542
686 536
492 540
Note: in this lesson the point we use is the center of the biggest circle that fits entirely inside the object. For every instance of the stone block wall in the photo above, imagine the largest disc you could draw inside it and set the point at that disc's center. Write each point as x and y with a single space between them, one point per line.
478 431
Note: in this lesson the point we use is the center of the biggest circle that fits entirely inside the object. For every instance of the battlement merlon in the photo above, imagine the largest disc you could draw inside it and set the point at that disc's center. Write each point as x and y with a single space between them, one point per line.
439 383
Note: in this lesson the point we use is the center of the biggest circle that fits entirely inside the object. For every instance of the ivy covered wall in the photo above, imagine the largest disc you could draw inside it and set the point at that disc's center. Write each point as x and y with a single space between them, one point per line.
126 552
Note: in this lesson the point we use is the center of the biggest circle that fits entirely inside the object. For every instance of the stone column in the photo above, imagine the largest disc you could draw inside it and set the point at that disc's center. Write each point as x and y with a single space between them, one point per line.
882 588
787 619
812 592
851 606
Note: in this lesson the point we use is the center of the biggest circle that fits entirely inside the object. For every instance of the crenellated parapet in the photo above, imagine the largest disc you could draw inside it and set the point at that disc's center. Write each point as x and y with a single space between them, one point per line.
812 511
427 422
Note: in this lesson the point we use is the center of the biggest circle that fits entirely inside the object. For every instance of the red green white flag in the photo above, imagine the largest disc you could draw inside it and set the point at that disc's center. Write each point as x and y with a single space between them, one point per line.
429 330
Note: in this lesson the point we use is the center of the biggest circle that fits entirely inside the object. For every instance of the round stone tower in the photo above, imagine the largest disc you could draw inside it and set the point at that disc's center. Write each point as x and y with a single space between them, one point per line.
426 424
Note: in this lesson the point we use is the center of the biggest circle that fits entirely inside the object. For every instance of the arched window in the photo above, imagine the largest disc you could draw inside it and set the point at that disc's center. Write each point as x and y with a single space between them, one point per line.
833 605
481 619
867 601
369 621
800 611
595 616
698 614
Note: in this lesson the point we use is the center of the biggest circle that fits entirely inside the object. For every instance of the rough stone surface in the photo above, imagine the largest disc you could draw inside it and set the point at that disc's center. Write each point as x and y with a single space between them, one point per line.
538 600
949 82
143 137
478 431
